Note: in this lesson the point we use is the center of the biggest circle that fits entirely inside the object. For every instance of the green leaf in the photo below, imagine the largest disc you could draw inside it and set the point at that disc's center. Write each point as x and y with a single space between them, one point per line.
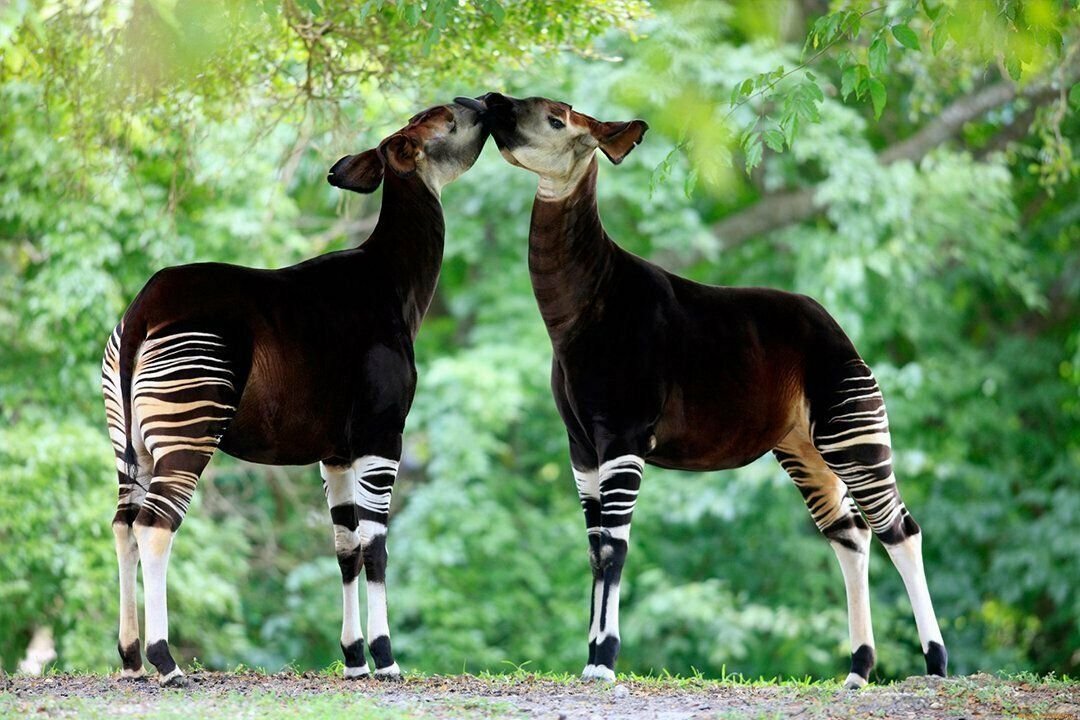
852 24
1074 95
753 155
878 96
848 80
691 182
906 36
879 56
774 139
1012 65
940 36
412 13
312 6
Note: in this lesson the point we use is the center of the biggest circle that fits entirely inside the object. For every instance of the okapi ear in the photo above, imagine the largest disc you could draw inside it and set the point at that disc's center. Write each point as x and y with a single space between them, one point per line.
400 152
360 173
617 139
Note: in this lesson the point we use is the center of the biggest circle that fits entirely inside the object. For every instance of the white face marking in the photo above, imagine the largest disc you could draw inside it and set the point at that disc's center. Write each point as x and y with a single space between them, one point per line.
446 155
560 156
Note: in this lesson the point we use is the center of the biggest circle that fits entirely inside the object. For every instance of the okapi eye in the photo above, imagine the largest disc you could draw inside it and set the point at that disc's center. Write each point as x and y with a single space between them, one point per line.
556 123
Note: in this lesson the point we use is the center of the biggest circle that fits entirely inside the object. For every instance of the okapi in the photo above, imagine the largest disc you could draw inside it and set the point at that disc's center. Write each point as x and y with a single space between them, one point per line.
309 363
649 367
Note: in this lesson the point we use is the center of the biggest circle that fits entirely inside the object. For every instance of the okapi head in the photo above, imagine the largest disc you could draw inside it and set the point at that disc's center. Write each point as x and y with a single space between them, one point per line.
437 145
550 138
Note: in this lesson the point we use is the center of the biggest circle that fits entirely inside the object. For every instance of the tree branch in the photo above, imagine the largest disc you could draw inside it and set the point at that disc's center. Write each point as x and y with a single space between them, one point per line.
789 207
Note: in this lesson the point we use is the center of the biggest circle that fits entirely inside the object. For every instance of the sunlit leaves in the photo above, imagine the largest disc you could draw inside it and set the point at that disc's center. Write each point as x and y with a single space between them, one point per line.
906 36
1025 36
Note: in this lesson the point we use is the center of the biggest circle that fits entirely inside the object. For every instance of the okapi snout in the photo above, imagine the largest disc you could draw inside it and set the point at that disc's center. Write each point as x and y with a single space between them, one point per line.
437 144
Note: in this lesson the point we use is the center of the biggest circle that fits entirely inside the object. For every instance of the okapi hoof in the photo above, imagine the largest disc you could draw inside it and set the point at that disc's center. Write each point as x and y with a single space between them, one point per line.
175 679
390 673
937 660
357 673
854 682
138 675
598 673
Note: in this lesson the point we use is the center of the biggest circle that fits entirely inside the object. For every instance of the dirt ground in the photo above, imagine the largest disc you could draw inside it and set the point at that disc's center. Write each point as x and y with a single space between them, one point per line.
977 696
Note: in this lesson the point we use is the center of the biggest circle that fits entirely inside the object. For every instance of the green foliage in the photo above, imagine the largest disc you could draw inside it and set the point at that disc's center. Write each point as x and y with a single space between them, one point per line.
957 275
1026 37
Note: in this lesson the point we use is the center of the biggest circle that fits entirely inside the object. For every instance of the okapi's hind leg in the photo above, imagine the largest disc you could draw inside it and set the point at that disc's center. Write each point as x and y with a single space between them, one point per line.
850 429
183 398
132 490
840 522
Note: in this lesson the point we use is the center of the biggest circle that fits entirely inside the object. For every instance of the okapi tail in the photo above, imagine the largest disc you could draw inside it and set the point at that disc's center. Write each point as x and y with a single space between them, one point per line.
132 333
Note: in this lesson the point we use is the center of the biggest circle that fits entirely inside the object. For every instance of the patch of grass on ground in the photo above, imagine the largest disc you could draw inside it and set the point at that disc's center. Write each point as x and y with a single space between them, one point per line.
289 694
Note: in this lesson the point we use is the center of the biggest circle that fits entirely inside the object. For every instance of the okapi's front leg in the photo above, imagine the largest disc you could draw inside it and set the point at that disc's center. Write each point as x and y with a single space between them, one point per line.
359 498
375 477
618 480
587 480
339 484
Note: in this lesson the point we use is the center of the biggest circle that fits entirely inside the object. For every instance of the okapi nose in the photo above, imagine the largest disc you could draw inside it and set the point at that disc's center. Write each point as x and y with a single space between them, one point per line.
472 103
496 101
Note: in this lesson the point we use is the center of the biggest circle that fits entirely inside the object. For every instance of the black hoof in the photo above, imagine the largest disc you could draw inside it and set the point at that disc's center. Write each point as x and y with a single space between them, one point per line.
937 660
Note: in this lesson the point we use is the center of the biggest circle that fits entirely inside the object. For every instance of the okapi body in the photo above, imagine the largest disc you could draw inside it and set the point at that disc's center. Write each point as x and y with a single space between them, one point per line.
652 368
310 363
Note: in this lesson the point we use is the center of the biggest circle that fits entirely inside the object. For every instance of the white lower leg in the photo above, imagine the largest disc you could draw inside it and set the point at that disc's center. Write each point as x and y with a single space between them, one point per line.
127 556
907 557
155 546
594 627
855 564
379 626
603 669
350 629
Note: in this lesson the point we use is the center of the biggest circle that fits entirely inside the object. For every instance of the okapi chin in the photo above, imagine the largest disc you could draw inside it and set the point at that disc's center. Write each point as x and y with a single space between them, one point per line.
310 363
651 368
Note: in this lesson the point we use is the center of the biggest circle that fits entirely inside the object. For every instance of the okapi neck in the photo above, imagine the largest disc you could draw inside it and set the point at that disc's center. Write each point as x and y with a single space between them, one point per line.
408 242
570 256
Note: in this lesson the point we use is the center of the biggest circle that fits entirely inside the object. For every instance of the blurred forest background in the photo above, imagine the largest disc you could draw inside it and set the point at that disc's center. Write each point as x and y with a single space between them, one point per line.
919 177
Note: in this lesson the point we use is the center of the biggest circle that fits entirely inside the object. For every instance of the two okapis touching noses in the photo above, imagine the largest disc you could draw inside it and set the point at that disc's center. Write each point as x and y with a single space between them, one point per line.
314 363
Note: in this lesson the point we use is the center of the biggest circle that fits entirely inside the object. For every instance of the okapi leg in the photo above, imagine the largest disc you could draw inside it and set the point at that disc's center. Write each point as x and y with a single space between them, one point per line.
339 484
129 500
359 498
375 477
588 487
619 479
851 431
836 516
183 399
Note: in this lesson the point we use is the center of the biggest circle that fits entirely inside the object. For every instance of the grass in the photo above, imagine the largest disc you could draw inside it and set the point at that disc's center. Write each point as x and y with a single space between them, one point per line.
181 707
521 693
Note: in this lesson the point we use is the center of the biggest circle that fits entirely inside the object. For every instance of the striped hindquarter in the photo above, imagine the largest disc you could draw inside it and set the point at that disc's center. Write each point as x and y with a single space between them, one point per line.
182 397
839 455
